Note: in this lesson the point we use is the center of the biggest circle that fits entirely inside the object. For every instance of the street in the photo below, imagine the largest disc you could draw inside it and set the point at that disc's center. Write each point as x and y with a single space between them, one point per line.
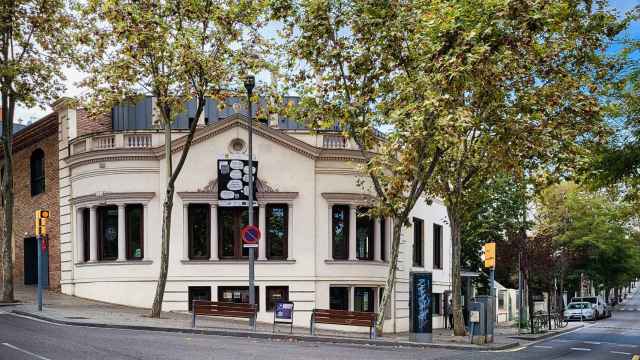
28 339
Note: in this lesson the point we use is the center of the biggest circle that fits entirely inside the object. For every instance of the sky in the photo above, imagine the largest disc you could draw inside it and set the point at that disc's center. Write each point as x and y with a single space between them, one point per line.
27 115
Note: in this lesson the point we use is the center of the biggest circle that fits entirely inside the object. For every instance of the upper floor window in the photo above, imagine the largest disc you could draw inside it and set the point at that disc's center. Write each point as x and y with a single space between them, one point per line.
277 230
340 231
230 221
418 242
364 235
199 231
108 232
37 172
383 239
437 246
135 231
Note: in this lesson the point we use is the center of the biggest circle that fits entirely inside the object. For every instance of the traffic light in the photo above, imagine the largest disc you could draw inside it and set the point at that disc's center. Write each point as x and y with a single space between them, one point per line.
489 255
41 222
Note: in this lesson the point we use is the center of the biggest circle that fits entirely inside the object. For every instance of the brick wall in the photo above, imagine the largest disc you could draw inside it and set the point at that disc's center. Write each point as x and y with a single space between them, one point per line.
25 204
87 124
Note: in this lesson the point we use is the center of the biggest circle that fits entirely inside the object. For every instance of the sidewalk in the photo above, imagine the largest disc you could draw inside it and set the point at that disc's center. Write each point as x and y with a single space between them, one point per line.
65 309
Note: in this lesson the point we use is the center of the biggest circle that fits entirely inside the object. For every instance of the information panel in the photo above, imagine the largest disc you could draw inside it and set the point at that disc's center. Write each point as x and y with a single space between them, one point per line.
421 302
233 182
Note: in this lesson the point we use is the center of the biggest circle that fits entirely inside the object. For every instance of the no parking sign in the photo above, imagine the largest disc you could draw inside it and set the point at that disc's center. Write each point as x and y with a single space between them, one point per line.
250 235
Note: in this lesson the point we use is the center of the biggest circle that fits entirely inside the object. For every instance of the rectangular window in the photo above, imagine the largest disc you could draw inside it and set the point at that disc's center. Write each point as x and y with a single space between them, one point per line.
501 296
277 231
135 231
364 235
276 294
363 299
108 232
199 293
418 241
436 300
86 234
230 221
383 239
340 231
237 294
339 298
437 246
199 231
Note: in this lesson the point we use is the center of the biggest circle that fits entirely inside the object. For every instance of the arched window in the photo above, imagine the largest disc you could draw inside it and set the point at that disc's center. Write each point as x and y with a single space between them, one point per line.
37 172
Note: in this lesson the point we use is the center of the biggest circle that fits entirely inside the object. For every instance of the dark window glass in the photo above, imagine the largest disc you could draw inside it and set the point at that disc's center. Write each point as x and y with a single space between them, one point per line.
135 231
364 235
230 221
108 232
277 230
199 230
275 294
86 234
37 172
383 239
363 299
340 231
339 298
437 246
436 302
237 294
418 241
199 293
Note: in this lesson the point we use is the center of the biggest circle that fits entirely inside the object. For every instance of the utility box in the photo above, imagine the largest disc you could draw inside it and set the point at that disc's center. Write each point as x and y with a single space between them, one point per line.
477 323
489 314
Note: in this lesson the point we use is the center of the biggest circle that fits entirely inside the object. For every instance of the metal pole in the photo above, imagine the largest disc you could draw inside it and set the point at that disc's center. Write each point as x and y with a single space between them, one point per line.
519 295
40 276
493 304
249 82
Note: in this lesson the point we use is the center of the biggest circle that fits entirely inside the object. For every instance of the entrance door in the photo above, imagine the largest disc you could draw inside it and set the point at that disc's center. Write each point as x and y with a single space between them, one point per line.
30 261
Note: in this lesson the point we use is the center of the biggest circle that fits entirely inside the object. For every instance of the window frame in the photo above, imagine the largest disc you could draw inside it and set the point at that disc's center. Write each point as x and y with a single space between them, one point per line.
190 293
100 210
271 305
37 182
86 234
437 246
418 242
436 299
238 249
346 226
370 226
371 298
383 239
347 296
269 237
222 289
127 226
190 233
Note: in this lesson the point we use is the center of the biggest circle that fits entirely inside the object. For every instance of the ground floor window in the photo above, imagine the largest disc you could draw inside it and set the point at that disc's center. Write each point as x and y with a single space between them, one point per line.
363 299
108 232
199 293
436 300
501 295
276 294
237 294
338 298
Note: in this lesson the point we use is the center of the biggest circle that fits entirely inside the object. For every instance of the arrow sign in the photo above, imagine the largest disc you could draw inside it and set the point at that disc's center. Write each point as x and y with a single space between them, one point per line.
250 235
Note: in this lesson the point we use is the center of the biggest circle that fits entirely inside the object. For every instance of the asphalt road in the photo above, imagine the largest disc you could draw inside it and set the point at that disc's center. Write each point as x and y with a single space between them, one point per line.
24 338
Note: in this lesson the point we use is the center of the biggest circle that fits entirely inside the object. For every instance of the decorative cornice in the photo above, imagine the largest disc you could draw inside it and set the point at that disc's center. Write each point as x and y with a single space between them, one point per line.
110 158
349 198
212 197
100 198
198 196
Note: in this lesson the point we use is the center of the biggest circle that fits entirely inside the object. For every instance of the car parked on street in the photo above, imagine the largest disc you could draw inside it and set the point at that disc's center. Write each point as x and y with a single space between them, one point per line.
579 311
598 305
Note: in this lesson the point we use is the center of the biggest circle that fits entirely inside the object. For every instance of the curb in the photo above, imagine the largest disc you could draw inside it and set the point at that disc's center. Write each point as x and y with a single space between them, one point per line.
545 335
272 336
2 304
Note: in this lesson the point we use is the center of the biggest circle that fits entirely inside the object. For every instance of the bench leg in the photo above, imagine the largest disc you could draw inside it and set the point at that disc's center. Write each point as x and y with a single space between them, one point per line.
253 323
311 326
193 319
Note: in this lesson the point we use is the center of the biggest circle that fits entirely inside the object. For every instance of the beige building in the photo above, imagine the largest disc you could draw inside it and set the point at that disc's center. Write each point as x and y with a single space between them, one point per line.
316 249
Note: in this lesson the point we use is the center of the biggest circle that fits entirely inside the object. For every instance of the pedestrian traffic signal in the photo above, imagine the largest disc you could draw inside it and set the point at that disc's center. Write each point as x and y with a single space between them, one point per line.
489 255
41 222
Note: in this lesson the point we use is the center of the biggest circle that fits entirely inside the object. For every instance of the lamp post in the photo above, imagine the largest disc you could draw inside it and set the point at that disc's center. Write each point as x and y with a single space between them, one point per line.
249 83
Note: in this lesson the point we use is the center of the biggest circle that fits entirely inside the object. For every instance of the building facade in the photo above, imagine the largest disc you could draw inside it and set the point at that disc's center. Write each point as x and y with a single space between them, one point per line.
317 250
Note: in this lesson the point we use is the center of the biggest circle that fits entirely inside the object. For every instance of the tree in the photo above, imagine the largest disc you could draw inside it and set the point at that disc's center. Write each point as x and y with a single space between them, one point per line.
34 46
347 59
521 79
178 51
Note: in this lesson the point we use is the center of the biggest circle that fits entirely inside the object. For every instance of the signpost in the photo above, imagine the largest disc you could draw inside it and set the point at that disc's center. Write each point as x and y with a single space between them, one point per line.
283 314
250 236
41 217
489 257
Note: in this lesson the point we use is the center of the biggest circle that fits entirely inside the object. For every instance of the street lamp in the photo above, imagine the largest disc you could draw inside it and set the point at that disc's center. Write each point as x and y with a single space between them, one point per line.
249 84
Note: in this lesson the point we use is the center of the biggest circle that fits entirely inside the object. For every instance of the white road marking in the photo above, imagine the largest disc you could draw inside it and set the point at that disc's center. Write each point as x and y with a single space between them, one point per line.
25 351
620 353
564 341
592 342
580 349
543 347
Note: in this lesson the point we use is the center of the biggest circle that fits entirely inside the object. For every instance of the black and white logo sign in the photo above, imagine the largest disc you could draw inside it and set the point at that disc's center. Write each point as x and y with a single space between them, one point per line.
233 182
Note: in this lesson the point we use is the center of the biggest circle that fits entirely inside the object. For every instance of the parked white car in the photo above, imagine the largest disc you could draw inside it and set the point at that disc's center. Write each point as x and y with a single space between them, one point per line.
598 305
579 311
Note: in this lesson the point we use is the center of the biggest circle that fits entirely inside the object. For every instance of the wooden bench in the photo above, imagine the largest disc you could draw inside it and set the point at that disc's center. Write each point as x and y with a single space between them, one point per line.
342 317
224 309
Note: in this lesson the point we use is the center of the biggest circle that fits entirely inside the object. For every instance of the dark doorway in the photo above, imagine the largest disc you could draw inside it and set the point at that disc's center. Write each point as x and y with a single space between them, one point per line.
30 261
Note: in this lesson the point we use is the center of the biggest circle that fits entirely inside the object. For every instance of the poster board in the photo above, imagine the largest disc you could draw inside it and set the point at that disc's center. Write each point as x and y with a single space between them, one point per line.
421 296
283 314
233 182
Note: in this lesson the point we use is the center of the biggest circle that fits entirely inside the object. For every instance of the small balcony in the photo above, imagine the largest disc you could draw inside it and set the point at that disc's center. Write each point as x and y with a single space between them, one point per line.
141 139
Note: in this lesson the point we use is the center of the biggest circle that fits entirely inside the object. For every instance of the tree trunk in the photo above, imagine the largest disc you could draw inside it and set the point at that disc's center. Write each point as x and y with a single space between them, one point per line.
167 208
456 280
391 274
7 193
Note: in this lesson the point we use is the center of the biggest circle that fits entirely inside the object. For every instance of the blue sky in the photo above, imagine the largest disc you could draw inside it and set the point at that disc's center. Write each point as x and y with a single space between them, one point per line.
26 115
